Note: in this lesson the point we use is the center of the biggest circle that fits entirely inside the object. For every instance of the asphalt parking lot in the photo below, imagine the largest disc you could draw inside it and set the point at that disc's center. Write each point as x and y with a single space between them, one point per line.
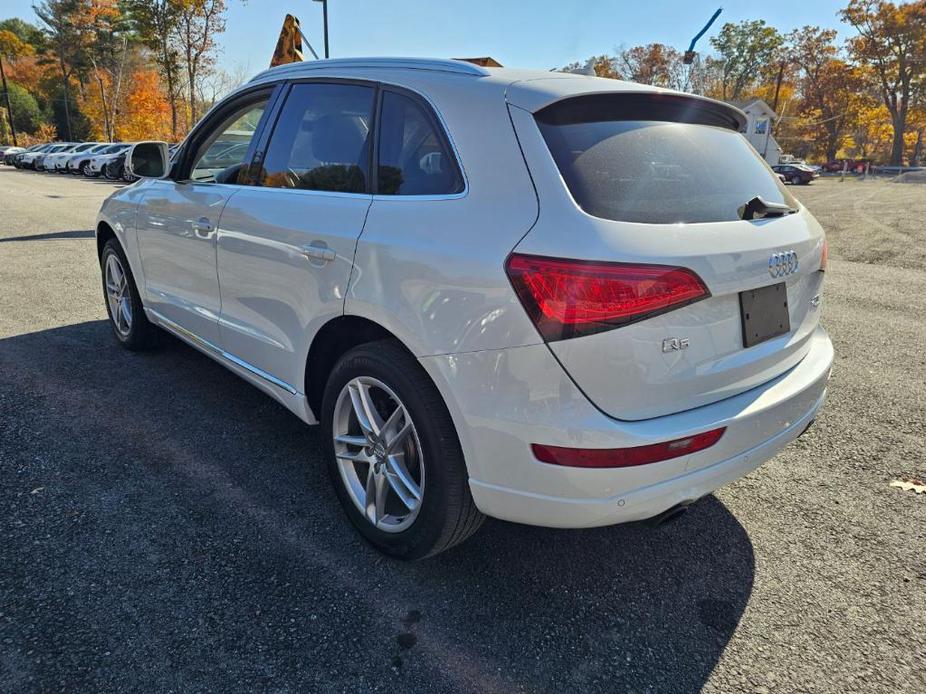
166 527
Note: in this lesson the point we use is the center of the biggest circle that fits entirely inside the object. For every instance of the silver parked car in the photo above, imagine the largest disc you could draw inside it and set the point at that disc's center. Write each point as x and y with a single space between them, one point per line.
547 298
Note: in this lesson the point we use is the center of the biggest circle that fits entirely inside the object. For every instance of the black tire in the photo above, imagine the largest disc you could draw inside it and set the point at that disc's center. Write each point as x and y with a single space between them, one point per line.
141 333
448 514
85 170
795 180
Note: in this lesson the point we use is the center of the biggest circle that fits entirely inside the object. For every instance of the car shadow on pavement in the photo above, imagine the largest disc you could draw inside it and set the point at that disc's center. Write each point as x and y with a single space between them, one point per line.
172 527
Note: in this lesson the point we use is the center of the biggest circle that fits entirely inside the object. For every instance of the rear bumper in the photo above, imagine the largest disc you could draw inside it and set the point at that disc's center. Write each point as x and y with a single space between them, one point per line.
503 401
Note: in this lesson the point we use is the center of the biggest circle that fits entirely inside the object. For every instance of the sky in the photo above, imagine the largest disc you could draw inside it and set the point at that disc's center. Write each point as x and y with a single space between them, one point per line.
518 33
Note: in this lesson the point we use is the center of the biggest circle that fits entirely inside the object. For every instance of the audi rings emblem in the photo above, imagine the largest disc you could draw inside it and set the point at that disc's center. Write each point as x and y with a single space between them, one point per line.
782 264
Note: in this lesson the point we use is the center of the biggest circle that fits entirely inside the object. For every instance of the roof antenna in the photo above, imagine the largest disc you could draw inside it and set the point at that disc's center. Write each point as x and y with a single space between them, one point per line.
690 53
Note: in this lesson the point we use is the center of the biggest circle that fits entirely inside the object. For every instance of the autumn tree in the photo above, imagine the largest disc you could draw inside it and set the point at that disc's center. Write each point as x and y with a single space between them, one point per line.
11 47
24 31
198 23
655 64
597 65
828 86
891 41
746 52
64 38
102 32
157 22
148 113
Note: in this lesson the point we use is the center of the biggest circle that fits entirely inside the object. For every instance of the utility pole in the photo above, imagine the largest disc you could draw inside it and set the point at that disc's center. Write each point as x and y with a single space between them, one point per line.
781 74
768 132
325 22
9 106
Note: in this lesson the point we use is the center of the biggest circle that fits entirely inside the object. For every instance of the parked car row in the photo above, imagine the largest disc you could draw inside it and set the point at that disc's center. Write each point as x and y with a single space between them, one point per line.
90 159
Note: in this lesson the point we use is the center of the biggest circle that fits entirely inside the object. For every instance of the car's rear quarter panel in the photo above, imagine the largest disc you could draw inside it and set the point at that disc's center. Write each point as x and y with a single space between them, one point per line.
431 269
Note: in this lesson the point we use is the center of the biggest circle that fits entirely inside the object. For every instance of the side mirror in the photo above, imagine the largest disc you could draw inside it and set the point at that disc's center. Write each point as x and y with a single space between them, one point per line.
148 160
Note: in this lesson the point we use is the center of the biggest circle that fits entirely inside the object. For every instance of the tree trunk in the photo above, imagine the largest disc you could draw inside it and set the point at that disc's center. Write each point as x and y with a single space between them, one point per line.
833 132
192 89
171 81
781 74
191 77
173 115
917 148
897 144
67 106
172 98
118 91
106 122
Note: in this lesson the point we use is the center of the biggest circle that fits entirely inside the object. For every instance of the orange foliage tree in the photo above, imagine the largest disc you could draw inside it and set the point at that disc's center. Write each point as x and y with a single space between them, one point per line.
147 109
891 42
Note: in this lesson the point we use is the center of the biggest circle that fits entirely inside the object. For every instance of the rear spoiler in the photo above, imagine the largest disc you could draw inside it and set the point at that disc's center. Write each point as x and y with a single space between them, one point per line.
568 90
640 105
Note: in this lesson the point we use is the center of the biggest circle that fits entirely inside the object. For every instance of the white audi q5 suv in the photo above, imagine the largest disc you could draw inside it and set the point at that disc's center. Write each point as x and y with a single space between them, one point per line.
548 298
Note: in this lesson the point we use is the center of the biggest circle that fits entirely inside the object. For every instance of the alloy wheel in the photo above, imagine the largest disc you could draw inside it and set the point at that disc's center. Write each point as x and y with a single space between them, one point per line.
118 295
379 454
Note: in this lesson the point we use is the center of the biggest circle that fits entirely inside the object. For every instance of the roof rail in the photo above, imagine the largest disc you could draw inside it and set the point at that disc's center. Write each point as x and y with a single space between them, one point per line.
459 67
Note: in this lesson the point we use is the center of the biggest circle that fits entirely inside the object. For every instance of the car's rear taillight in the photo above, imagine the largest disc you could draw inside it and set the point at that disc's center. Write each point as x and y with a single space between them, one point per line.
570 298
824 256
626 457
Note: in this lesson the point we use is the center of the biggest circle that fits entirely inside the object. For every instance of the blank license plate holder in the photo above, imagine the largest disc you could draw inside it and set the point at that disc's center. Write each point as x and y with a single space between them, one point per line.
764 313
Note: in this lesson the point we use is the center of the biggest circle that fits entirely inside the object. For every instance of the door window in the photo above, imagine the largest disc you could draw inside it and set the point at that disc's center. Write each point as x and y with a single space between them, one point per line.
413 157
321 140
222 158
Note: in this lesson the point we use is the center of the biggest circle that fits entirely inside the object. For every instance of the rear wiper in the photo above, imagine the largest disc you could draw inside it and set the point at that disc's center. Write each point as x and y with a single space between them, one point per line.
766 209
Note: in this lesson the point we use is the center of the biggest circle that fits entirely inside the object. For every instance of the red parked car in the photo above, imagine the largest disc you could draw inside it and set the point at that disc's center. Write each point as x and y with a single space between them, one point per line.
852 165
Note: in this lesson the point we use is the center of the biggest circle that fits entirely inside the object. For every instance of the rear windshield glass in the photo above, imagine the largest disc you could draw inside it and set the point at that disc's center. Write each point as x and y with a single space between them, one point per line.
658 171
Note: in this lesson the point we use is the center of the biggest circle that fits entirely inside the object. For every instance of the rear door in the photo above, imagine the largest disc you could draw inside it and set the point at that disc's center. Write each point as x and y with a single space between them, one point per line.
286 243
654 286
179 216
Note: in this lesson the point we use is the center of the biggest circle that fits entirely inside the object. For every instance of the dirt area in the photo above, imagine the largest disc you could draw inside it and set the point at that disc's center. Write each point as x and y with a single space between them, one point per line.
873 221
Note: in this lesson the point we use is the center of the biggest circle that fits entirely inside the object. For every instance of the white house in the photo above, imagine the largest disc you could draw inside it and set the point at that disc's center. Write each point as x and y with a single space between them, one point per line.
759 120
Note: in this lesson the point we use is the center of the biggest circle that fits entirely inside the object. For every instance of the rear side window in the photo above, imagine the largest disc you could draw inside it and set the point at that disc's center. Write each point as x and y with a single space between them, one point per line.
662 164
322 139
414 158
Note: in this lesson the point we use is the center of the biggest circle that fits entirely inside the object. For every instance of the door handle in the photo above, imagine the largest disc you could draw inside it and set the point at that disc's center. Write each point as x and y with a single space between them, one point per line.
203 227
318 252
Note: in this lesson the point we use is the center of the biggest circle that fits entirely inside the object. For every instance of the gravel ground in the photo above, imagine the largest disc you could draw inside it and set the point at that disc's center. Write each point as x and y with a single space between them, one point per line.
872 221
168 528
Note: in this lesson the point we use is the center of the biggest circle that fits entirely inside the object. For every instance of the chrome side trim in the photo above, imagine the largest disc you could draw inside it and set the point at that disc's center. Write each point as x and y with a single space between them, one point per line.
270 378
207 346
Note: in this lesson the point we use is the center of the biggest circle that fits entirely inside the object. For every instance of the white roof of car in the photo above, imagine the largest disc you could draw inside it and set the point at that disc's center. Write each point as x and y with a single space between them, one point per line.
529 89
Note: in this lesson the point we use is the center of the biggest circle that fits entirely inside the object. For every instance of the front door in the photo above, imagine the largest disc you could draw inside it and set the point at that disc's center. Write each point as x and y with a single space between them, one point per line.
178 219
286 244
